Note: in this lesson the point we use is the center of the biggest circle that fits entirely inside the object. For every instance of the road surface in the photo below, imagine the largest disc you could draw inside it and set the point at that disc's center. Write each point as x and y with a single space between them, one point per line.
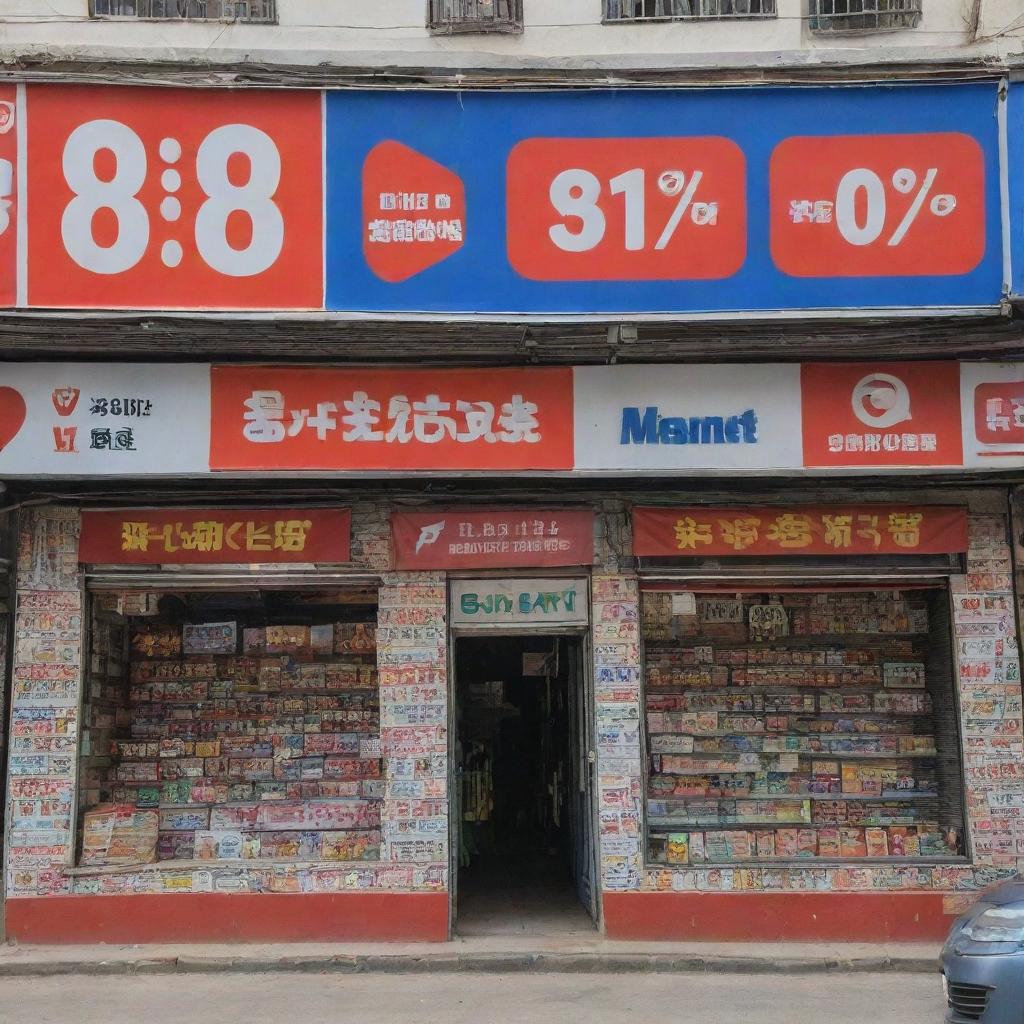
473 999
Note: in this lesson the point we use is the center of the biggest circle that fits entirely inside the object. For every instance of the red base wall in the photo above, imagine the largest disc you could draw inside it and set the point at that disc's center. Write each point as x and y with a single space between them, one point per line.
773 917
239 917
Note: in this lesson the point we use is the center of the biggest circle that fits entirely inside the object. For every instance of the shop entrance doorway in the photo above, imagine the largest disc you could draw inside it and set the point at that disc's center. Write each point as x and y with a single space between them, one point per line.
524 856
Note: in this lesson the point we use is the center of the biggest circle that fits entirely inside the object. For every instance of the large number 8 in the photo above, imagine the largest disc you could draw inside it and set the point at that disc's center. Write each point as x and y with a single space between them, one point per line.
117 195
254 198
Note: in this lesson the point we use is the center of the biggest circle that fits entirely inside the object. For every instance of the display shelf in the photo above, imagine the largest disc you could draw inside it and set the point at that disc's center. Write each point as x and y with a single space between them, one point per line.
258 693
788 665
773 688
726 825
309 658
122 783
233 757
263 830
865 639
298 693
799 713
796 797
828 755
333 800
923 861
719 734
205 864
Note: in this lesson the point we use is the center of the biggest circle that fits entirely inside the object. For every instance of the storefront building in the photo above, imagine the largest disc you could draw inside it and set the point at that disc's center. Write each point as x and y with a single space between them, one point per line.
758 711
713 650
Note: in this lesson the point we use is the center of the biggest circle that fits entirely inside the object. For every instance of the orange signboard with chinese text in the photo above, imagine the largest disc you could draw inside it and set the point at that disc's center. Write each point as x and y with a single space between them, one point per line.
800 530
281 418
205 536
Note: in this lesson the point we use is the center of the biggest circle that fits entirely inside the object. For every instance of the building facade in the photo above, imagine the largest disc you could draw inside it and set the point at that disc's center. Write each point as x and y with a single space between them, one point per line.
423 486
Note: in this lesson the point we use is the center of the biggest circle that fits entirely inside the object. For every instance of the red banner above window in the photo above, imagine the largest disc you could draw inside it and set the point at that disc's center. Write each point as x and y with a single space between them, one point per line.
492 540
800 530
204 536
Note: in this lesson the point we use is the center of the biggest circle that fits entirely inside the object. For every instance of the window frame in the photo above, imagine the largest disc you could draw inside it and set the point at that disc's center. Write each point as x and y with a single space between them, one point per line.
441 19
907 12
608 18
269 7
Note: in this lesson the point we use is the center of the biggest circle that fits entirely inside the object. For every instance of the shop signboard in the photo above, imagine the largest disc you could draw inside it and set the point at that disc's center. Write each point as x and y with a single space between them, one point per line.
519 602
892 414
60 420
672 418
993 414
104 419
393 419
474 539
799 530
650 203
211 536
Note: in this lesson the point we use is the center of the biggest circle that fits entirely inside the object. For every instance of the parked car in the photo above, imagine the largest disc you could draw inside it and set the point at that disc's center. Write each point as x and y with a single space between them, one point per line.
983 960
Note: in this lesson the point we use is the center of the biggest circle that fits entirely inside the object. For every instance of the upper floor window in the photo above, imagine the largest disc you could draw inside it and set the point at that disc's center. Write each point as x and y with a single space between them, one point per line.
450 16
850 16
676 10
188 10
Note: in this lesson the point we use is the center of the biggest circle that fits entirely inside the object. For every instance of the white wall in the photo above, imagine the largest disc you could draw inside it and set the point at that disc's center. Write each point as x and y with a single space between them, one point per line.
392 32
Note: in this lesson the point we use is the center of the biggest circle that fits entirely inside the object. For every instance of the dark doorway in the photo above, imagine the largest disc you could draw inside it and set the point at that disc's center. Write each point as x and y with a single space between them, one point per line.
525 856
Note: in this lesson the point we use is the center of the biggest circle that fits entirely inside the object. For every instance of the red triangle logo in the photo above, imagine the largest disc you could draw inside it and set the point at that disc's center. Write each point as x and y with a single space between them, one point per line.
414 212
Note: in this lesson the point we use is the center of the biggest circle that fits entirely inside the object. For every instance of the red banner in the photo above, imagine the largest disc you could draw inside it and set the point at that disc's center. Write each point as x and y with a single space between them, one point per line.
207 536
492 540
800 530
297 418
881 414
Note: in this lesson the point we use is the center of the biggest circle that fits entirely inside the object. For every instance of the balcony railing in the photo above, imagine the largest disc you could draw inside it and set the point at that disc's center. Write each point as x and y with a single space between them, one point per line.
262 11
616 11
854 16
447 17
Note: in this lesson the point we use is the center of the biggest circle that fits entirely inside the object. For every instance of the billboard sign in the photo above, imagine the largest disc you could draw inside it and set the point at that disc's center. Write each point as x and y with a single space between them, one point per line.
580 203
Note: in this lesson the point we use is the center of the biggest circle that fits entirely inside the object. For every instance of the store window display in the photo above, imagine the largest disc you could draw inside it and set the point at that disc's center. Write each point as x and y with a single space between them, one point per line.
231 726
801 725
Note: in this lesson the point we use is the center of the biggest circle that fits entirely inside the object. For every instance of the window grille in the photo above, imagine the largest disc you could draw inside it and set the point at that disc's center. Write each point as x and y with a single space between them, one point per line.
864 15
452 16
684 10
263 11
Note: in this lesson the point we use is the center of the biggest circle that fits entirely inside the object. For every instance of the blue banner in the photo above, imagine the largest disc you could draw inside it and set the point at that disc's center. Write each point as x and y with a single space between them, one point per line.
665 202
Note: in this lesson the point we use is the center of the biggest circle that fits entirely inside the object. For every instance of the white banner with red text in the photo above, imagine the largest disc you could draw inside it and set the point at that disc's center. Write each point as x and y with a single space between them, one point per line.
189 420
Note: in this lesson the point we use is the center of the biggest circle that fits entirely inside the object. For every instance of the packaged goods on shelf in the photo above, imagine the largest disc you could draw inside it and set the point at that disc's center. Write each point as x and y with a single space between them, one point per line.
118 834
242 742
678 849
209 638
835 710
153 641
904 675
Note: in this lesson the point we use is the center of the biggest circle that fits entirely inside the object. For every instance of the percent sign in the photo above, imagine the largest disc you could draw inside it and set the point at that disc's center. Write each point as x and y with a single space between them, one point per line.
903 181
577 193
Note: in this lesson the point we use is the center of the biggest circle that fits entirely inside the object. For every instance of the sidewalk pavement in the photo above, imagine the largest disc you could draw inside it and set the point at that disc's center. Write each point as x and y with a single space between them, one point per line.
484 954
